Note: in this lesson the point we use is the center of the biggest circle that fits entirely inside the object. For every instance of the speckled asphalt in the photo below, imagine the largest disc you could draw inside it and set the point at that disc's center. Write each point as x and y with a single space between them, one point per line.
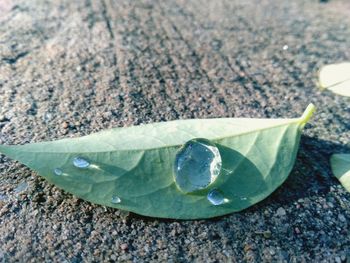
70 68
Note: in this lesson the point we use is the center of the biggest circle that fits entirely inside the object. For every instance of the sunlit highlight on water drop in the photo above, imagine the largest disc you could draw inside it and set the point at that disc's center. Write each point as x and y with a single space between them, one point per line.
80 162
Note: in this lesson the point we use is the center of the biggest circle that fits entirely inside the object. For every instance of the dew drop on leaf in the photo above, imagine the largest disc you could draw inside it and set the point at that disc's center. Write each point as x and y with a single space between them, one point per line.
197 165
215 197
58 171
80 162
115 199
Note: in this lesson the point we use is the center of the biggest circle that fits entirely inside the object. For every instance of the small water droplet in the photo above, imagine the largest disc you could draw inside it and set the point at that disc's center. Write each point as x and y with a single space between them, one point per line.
244 198
215 197
197 165
80 162
285 47
115 199
58 171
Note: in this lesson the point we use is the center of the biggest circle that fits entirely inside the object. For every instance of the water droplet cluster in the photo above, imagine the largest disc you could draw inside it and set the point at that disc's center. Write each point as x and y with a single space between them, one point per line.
197 165
82 163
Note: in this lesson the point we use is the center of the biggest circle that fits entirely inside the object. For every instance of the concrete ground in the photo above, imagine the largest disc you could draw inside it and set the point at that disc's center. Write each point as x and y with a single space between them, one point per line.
70 68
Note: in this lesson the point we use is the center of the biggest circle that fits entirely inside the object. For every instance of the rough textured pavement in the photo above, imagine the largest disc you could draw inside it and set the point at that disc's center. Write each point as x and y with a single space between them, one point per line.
70 68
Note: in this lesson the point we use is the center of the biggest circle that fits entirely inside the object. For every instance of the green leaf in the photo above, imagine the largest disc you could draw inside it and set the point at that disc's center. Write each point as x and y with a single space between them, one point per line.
336 78
341 168
136 164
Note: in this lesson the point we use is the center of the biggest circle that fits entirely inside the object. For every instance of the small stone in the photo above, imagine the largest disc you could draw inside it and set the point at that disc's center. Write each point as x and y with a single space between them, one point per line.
247 247
281 212
21 187
124 246
173 233
342 218
267 234
330 204
3 198
297 231
65 125
337 260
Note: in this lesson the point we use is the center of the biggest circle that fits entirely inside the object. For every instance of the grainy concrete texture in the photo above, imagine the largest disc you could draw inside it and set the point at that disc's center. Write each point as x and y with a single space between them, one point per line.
70 68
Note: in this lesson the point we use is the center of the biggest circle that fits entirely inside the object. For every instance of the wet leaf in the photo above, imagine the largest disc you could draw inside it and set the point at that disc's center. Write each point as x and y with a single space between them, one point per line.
133 168
336 78
341 169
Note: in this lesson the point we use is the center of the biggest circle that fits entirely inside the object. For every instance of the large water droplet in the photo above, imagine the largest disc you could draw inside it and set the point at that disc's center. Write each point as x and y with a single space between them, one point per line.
80 162
197 165
58 171
115 199
215 197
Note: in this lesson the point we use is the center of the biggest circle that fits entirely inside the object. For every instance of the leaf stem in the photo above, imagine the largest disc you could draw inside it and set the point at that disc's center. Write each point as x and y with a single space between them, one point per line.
307 114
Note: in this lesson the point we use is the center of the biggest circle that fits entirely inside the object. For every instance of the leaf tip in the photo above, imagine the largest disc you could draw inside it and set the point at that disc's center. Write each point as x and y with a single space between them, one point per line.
309 111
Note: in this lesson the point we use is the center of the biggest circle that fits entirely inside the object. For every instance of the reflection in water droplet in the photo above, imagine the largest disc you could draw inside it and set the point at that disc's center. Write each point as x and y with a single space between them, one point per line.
285 47
58 171
80 162
197 165
243 198
215 197
115 199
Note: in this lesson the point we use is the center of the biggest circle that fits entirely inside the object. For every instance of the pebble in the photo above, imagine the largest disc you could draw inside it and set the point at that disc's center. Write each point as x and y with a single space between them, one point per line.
330 204
124 246
21 187
281 212
247 247
267 234
342 218
65 125
3 198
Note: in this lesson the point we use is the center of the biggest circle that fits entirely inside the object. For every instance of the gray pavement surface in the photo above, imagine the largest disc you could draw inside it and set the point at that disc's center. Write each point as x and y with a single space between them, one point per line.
70 68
